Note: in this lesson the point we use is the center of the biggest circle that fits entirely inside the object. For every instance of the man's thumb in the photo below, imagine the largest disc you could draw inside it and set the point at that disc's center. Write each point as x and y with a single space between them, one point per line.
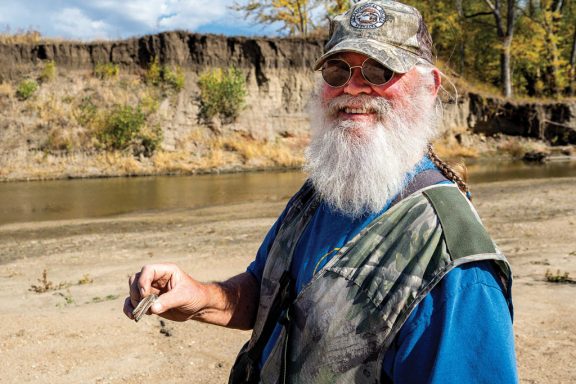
157 308
165 302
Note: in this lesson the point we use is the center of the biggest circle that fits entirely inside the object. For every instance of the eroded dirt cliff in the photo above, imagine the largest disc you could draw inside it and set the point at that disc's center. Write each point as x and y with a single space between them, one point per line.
47 136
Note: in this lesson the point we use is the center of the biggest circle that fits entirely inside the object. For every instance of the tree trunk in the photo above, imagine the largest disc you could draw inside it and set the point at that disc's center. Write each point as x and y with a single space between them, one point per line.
461 44
572 72
302 19
505 36
505 65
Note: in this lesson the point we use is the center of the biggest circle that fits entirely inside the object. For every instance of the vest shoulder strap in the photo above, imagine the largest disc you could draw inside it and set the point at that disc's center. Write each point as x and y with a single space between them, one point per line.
463 231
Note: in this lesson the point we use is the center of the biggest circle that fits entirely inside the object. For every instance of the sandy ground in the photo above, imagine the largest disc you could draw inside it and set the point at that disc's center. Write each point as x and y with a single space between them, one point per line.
78 334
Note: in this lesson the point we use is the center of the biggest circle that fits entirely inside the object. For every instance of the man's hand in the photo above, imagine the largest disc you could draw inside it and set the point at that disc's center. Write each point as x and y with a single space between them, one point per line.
232 303
180 296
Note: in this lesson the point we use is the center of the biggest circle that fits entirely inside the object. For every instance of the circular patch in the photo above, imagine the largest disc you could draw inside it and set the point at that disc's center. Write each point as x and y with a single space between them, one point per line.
368 16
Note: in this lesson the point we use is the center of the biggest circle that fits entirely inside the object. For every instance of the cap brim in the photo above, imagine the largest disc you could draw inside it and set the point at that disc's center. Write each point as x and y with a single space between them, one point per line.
397 59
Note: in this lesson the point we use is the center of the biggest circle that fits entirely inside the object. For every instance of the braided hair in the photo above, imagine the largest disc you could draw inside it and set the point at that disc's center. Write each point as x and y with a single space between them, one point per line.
449 172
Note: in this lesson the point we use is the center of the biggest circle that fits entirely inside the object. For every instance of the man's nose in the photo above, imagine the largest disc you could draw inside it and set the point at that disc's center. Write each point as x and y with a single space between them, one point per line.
357 83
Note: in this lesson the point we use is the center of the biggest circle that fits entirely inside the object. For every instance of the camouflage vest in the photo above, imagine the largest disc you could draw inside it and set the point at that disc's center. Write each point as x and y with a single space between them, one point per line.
341 324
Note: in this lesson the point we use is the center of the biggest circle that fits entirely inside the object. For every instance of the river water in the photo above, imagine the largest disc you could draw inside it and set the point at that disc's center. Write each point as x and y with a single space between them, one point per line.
92 198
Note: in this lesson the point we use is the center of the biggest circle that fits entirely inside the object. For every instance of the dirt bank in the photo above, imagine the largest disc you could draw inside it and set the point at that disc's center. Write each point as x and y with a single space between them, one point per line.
78 334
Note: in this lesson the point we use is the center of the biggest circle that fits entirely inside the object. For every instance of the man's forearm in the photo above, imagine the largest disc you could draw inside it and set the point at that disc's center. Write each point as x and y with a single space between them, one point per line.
232 303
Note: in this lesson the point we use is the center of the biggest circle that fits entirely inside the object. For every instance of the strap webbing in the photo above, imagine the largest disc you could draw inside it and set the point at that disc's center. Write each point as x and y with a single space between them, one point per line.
420 180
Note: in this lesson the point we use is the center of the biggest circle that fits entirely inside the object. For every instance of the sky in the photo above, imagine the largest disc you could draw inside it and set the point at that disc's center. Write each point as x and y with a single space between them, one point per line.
117 19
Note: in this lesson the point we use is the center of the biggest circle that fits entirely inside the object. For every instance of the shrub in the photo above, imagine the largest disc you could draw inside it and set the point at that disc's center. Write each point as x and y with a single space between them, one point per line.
174 78
149 104
125 128
26 89
222 93
48 72
86 111
122 126
149 140
162 76
106 71
153 76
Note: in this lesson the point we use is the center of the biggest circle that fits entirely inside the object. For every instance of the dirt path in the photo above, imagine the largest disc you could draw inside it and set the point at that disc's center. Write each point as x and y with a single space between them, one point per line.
78 334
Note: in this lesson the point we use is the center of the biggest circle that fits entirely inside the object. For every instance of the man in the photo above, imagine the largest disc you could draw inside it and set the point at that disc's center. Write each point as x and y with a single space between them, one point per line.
378 270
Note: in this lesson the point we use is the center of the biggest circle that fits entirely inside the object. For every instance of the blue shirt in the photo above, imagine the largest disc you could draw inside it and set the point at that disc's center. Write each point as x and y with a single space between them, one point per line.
461 332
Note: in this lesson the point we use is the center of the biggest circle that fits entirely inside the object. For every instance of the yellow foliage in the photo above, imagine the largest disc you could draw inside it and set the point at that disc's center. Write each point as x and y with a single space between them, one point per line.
294 15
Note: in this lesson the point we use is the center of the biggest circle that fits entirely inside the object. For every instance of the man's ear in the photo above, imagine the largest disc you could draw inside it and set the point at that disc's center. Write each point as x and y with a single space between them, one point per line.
437 81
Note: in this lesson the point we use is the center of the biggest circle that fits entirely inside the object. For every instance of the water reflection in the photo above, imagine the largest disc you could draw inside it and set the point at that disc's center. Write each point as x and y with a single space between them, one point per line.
68 199
486 172
71 199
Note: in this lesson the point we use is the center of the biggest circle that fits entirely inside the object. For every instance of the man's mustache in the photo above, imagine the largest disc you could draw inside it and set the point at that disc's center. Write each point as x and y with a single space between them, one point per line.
378 104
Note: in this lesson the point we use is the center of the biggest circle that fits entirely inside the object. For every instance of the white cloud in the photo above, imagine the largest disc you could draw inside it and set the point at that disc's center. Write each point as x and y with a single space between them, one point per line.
119 18
157 15
73 22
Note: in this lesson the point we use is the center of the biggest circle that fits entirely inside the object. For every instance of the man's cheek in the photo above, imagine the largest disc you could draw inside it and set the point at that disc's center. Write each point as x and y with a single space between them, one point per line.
328 92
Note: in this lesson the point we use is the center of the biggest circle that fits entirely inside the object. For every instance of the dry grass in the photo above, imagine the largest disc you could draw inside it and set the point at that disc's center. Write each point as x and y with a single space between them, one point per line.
31 36
449 148
21 37
45 285
262 153
6 90
177 162
518 147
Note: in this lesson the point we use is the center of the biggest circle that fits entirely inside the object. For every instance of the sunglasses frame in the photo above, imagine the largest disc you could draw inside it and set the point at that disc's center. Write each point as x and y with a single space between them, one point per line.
350 72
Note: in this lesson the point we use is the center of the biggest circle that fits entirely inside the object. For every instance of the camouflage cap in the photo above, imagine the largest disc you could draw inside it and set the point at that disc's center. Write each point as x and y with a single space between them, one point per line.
388 31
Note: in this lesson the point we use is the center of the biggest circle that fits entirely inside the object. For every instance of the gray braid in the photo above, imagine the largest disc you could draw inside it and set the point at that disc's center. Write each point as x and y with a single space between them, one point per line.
448 171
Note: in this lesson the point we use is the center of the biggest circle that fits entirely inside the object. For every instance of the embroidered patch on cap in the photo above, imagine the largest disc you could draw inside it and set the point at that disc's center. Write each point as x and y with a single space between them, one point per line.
368 16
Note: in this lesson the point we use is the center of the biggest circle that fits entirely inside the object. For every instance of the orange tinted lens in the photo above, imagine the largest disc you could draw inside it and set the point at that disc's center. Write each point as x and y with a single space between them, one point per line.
336 72
376 73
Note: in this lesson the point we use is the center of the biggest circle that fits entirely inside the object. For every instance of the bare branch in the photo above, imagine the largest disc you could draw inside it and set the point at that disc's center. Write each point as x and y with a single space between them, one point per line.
479 14
489 3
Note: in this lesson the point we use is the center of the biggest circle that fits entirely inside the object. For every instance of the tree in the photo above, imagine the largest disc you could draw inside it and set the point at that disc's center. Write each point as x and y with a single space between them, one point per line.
547 17
572 71
336 7
504 15
294 15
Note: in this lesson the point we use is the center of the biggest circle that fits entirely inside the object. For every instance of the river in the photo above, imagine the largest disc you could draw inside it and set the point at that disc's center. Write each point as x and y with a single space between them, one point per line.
93 198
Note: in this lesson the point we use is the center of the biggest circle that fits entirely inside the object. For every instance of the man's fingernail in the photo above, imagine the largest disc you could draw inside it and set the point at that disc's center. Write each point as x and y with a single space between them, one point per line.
156 307
142 291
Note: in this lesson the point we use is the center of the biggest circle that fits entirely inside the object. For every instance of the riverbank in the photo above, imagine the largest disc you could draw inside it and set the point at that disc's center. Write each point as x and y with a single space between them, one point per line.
235 152
78 333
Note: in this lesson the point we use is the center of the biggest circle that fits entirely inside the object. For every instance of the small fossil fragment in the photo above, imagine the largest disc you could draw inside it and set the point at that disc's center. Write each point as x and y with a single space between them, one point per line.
143 306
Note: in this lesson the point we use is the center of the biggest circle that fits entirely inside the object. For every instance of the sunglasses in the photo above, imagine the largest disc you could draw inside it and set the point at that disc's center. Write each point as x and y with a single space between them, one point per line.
337 72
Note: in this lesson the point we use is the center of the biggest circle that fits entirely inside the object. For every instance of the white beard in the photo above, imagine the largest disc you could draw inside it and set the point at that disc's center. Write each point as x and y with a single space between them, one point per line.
357 167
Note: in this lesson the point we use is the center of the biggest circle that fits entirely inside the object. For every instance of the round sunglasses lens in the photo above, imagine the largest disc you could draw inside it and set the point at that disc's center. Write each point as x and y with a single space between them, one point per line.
336 72
376 73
